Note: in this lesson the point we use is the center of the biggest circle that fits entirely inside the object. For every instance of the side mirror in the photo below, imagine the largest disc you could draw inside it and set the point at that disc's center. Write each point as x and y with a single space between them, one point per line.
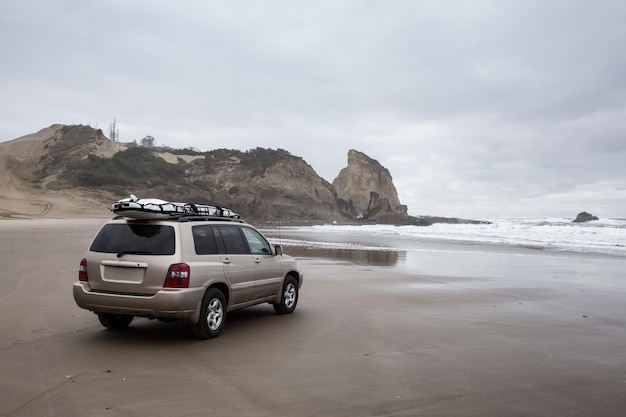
278 249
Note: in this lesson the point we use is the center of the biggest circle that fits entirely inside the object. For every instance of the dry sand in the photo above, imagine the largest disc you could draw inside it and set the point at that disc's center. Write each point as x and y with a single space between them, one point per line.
365 340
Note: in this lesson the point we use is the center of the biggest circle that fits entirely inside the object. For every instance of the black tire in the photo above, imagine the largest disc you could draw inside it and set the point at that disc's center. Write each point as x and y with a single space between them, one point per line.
115 321
212 315
288 296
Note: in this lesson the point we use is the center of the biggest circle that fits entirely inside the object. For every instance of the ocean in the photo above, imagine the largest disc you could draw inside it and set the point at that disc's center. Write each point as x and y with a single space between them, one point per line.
524 249
602 237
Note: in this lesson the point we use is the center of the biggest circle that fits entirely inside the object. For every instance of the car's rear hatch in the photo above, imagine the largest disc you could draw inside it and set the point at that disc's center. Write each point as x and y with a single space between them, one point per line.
132 257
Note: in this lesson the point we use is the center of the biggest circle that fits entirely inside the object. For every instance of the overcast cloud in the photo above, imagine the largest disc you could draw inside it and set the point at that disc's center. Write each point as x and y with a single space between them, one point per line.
478 108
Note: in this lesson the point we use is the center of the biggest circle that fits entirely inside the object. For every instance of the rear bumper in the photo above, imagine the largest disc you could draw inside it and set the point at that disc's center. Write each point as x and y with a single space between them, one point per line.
177 303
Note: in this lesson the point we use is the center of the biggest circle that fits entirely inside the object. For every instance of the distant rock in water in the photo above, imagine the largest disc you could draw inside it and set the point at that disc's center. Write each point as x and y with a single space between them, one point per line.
584 217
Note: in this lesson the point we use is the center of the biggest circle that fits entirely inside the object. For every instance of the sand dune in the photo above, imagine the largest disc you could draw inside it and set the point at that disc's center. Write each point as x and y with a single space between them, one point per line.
19 200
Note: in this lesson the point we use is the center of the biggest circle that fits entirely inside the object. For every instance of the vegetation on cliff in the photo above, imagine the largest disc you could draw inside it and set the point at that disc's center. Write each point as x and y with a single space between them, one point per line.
133 167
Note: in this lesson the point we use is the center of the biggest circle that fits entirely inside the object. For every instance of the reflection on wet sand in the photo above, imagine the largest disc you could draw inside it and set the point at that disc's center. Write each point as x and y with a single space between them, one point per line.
361 257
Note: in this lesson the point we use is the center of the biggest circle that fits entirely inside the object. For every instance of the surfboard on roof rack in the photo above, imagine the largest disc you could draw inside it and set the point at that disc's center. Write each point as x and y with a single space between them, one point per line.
155 209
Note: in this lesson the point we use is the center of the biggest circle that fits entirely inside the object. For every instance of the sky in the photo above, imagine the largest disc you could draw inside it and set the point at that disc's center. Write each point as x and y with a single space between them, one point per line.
478 108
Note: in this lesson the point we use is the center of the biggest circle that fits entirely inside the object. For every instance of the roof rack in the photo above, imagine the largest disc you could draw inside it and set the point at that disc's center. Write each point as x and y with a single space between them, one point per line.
156 209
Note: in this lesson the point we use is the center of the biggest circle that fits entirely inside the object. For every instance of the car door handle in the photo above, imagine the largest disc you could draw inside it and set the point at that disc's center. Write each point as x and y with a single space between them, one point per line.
257 260
226 260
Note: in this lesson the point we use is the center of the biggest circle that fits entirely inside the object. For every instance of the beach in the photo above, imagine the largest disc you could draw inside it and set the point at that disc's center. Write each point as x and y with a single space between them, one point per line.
430 329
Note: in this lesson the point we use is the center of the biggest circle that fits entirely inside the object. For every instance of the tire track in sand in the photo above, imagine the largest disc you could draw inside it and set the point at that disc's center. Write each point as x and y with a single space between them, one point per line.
19 207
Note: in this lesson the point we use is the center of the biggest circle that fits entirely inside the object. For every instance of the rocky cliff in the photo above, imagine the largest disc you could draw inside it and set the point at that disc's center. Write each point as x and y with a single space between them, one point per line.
266 185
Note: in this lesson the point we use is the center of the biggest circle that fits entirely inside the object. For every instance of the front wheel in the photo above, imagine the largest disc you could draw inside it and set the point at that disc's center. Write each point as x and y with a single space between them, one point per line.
212 315
114 321
289 297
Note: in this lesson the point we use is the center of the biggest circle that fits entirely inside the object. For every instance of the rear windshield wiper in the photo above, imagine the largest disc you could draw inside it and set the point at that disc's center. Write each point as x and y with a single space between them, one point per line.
133 252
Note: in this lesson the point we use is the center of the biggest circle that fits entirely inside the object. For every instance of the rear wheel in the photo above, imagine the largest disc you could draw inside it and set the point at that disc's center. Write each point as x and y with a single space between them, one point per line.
212 315
114 321
289 297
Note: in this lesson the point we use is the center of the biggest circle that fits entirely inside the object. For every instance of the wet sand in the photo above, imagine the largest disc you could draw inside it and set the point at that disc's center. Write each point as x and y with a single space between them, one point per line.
372 335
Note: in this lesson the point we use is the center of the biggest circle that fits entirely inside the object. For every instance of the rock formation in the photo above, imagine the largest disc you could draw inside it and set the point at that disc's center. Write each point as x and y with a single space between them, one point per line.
367 188
584 217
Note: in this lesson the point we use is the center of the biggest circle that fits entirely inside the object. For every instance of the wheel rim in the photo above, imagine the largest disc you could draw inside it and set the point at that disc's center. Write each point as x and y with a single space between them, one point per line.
290 295
215 314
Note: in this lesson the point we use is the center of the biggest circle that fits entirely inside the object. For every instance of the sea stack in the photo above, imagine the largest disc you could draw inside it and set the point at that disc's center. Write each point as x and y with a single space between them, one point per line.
584 217
367 187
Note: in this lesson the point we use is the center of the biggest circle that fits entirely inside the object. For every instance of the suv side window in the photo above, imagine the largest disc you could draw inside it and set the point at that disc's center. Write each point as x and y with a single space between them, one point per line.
233 240
258 245
204 240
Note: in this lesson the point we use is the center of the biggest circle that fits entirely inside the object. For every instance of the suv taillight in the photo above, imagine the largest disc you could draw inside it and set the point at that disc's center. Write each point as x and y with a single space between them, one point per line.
82 271
177 276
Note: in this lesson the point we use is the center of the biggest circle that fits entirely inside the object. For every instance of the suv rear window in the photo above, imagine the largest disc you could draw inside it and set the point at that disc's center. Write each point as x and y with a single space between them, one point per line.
145 239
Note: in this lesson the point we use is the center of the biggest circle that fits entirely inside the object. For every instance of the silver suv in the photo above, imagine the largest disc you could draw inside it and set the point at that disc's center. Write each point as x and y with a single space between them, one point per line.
194 268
